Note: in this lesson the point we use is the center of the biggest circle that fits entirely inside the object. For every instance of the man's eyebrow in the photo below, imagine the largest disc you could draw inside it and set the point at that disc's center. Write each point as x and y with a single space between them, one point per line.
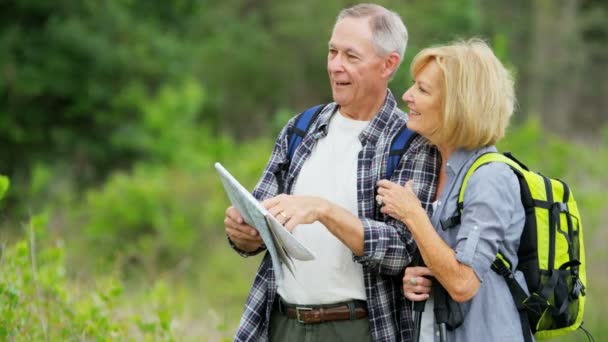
348 50
332 45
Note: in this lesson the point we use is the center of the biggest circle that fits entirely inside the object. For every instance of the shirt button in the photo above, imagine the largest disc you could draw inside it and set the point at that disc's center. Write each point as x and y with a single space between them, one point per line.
437 333
475 227
438 203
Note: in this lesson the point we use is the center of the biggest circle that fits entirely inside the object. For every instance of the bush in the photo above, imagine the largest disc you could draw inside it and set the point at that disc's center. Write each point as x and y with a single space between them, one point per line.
37 302
152 214
157 216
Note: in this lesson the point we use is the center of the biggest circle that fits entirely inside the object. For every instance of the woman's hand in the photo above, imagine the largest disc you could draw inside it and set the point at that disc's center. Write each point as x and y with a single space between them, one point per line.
416 287
397 201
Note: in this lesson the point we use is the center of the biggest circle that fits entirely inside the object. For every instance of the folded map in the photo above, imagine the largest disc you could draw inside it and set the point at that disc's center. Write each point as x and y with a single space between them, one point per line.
280 243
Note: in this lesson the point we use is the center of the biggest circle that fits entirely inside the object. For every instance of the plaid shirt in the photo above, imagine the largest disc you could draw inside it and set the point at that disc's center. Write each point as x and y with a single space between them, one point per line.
388 245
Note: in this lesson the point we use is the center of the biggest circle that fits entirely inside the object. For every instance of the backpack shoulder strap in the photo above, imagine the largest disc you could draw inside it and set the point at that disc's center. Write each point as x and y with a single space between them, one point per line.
483 160
297 133
401 142
480 161
503 267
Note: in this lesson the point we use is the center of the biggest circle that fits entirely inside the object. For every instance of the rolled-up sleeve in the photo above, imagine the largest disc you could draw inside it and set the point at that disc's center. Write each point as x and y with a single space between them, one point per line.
490 200
385 247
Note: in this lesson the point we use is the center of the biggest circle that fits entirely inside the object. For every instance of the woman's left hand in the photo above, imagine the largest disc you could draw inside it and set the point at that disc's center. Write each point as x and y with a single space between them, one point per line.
416 283
397 201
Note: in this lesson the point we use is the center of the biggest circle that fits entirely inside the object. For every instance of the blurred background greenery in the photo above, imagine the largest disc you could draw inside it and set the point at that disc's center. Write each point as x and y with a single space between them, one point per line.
112 114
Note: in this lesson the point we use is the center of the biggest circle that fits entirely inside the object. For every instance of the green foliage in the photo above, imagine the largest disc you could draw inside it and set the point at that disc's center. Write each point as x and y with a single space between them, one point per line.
169 127
4 184
38 302
225 279
151 213
156 216
63 67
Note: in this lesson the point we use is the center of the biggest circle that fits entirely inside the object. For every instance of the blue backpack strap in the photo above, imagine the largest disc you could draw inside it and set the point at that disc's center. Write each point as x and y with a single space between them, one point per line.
298 131
401 142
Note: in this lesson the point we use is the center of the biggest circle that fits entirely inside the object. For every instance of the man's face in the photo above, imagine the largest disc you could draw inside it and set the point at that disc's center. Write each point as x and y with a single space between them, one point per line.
354 66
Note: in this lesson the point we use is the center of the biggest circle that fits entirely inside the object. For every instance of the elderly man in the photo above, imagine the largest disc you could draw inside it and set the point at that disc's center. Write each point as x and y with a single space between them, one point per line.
326 197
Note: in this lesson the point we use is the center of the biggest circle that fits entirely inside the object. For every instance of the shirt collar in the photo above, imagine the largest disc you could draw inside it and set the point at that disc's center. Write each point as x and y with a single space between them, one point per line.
461 156
385 115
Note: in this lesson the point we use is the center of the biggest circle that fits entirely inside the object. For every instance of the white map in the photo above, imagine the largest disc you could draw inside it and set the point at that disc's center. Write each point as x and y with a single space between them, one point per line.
279 242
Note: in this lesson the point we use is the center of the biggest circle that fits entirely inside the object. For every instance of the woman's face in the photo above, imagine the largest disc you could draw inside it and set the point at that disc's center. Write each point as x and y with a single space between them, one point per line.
424 101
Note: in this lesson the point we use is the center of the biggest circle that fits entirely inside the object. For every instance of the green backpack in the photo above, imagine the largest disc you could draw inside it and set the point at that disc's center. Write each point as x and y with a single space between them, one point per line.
551 252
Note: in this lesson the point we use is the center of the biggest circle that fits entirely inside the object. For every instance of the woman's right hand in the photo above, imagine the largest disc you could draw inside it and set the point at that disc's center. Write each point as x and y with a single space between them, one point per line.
399 202
416 287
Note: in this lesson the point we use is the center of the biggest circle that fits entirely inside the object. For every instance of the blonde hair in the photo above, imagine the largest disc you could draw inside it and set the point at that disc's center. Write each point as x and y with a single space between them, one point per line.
478 98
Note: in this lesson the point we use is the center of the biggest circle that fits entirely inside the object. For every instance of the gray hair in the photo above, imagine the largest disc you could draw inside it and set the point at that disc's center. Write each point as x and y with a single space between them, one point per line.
388 31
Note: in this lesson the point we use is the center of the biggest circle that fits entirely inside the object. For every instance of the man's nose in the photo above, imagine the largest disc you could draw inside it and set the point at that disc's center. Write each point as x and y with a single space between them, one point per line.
334 63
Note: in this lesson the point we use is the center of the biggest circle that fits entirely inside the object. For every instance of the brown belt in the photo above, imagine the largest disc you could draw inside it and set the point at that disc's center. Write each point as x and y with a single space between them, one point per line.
317 314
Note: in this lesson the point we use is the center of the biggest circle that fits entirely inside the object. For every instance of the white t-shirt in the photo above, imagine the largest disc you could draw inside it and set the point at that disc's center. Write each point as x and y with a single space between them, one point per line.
330 172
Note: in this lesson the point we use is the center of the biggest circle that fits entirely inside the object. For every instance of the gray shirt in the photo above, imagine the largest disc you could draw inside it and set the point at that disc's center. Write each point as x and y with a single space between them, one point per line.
492 220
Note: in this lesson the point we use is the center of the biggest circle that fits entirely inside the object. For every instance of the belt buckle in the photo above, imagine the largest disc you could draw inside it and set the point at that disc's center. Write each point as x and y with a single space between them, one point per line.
298 309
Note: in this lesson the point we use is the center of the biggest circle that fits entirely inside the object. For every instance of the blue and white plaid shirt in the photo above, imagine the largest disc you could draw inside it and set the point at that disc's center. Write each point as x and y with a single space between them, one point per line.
388 245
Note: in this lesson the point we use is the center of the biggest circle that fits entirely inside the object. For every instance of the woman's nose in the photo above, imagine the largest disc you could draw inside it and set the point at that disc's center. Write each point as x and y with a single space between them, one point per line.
407 96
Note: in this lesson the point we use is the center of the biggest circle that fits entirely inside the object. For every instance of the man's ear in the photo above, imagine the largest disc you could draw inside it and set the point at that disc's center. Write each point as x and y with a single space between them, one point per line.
391 62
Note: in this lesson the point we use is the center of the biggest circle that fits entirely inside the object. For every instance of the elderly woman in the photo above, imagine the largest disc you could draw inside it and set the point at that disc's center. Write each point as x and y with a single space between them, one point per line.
461 102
